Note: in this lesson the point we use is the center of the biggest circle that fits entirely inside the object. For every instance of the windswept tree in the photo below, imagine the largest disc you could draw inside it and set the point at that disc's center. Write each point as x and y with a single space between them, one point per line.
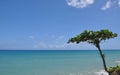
94 38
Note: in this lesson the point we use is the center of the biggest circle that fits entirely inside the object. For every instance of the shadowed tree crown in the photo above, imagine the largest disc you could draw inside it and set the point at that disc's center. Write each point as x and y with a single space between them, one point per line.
93 37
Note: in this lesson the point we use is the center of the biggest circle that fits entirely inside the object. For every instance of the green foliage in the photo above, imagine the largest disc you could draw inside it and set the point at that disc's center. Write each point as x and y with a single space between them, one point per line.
93 37
114 69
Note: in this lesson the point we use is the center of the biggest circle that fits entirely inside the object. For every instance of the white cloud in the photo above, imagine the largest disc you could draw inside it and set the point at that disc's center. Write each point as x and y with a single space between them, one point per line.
63 46
80 3
111 3
86 3
56 44
107 5
119 3
43 45
59 43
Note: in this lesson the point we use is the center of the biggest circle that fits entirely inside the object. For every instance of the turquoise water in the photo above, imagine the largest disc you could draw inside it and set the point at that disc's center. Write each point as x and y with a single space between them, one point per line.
83 62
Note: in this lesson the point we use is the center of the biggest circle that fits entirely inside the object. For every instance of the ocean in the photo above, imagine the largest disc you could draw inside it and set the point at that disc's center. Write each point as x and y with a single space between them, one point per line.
55 62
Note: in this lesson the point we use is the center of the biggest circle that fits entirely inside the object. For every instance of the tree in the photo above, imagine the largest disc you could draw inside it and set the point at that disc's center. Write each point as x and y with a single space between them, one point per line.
94 38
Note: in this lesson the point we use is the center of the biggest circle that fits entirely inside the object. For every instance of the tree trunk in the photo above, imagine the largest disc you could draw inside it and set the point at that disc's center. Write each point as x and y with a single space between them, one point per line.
103 58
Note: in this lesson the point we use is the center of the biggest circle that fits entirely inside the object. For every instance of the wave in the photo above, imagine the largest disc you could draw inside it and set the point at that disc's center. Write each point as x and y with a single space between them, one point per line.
93 72
102 72
118 62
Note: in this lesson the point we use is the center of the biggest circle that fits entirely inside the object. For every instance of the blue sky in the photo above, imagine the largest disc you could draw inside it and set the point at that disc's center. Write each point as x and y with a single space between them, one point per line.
48 24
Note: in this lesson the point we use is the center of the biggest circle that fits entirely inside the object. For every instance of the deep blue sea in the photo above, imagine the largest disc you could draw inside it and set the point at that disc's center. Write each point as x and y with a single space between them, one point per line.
55 62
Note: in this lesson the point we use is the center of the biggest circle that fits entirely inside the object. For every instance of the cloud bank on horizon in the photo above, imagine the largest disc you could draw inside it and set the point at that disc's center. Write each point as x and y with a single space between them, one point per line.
85 3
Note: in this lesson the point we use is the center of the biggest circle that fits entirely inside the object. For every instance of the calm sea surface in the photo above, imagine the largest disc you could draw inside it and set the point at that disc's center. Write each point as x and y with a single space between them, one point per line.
51 62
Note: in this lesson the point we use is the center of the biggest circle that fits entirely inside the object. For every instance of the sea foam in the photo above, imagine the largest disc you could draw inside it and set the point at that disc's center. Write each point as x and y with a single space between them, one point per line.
102 72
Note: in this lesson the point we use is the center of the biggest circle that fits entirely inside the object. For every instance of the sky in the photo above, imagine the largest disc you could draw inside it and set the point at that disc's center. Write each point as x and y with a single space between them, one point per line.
48 24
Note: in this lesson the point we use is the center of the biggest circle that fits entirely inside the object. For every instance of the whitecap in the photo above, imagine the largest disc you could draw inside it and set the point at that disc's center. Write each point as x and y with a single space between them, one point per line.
102 72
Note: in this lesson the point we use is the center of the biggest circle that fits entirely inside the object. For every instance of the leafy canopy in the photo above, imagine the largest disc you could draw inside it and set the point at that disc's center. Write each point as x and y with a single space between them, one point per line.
93 37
